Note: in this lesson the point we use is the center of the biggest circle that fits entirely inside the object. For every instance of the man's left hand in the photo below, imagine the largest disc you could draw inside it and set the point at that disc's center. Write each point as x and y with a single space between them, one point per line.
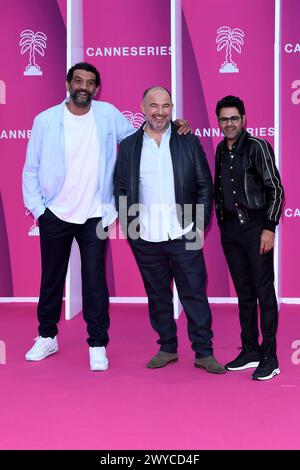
266 241
184 127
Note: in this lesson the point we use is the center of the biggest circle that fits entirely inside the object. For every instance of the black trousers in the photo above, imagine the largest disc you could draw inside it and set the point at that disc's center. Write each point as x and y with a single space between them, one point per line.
253 278
56 237
159 264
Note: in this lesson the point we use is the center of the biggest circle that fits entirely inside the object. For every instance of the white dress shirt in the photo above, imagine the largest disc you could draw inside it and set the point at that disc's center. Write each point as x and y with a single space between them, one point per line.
158 218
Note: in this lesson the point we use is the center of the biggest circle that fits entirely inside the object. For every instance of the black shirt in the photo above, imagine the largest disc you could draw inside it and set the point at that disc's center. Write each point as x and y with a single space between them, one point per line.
227 176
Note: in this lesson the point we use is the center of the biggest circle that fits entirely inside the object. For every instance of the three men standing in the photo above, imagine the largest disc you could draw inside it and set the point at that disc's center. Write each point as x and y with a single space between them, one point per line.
68 186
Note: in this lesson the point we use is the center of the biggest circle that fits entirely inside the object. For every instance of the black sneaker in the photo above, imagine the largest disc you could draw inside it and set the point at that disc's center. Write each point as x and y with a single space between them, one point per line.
245 360
267 369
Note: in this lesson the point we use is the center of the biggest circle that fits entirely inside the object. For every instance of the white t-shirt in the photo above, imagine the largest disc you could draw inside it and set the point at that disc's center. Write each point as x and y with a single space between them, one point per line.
79 198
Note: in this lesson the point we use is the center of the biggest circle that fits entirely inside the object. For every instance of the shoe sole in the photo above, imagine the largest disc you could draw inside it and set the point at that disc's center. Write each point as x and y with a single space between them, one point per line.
162 365
41 358
250 365
273 374
99 370
210 371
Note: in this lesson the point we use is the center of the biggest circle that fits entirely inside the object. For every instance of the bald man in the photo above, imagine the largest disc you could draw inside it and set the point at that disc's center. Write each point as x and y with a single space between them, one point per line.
167 179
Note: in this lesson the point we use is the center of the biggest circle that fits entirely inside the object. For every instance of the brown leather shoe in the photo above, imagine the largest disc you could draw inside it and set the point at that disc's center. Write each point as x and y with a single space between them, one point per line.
161 359
210 364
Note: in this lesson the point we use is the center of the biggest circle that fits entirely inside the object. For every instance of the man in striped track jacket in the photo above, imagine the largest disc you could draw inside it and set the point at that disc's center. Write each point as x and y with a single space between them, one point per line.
248 198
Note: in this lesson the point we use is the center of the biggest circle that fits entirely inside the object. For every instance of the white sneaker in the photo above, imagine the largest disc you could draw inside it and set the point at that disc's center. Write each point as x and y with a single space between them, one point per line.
42 348
98 359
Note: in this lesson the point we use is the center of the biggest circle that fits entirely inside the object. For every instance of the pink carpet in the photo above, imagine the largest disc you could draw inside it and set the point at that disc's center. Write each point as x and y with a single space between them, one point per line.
59 404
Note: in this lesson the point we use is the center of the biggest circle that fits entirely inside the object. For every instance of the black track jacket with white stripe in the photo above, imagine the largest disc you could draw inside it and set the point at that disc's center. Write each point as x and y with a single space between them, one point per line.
254 179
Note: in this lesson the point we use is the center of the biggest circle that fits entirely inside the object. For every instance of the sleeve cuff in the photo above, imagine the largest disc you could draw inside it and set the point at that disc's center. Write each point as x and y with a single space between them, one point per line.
38 211
269 225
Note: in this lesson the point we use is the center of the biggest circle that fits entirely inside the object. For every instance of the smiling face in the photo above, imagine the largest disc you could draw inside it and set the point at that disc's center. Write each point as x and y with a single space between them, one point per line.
82 89
157 107
231 123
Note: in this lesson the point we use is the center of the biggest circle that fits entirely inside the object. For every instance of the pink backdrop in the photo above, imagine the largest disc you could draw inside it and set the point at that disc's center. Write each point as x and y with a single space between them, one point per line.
129 43
141 38
290 148
204 85
26 96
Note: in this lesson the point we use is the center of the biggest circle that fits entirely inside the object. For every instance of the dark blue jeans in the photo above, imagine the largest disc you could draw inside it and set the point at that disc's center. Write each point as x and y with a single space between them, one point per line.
159 264
56 237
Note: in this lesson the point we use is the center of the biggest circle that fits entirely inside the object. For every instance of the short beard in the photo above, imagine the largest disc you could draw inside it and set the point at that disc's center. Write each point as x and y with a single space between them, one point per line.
78 101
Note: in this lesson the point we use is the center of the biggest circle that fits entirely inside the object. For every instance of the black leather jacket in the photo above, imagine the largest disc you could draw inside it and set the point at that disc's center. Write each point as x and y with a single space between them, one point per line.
255 181
192 177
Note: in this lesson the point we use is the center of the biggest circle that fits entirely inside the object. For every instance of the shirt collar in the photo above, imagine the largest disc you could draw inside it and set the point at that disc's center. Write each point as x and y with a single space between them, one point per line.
165 135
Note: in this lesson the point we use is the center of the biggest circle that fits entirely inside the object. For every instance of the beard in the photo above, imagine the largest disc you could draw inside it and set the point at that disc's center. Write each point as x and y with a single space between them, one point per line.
80 101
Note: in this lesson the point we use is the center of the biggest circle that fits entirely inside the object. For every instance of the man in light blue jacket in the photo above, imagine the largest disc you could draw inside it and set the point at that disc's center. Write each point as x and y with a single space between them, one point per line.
68 187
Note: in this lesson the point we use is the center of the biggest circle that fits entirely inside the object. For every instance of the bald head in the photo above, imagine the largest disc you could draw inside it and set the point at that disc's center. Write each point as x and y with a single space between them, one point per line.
155 88
157 107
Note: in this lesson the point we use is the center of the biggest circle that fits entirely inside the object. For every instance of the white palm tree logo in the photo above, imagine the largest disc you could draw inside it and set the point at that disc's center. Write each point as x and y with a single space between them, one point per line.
136 119
231 39
34 43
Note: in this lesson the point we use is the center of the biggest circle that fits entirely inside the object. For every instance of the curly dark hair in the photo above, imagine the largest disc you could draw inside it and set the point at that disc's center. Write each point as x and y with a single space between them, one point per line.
88 68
